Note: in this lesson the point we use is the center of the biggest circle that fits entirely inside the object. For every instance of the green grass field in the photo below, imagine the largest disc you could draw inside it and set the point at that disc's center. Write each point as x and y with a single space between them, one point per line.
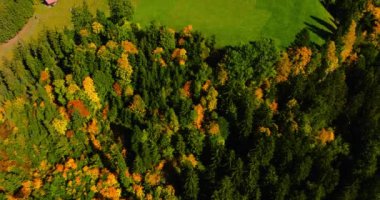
234 22
49 18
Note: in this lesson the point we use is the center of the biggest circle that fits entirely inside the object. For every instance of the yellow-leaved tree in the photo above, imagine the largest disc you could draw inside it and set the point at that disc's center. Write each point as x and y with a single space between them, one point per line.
332 59
348 41
138 104
89 89
190 159
97 27
301 57
124 70
211 98
60 125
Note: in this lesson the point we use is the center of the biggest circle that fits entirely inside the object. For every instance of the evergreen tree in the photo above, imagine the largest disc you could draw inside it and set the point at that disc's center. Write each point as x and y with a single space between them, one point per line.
120 10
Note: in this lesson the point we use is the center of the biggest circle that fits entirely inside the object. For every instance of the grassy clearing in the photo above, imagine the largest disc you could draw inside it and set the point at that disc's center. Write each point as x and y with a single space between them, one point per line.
13 16
50 18
237 21
6 49
59 16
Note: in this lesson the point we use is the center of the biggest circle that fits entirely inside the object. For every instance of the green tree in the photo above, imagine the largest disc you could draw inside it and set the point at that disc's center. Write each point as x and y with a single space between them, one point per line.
82 17
190 184
225 191
121 9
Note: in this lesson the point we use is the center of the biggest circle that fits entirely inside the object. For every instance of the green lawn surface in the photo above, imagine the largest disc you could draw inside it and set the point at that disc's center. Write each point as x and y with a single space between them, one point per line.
235 21
49 18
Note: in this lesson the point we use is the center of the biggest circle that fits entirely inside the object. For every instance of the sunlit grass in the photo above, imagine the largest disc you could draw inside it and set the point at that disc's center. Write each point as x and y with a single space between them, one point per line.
237 21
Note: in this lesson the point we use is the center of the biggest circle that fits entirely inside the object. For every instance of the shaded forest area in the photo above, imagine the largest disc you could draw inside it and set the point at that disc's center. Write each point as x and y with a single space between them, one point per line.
111 110
13 16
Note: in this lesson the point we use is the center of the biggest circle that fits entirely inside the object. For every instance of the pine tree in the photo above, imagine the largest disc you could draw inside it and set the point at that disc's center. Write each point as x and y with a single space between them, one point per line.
121 9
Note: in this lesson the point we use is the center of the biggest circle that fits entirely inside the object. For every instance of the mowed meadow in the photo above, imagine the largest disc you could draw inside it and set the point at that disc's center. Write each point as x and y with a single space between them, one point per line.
234 22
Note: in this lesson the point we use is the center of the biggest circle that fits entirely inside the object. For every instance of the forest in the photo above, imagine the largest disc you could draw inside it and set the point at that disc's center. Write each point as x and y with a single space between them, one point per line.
113 110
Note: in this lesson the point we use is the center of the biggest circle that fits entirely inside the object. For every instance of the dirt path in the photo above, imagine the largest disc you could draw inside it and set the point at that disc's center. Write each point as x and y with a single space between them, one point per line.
47 18
6 49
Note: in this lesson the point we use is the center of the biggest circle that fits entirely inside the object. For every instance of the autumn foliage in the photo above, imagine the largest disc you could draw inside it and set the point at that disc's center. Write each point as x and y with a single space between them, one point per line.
265 130
300 59
152 179
190 159
157 56
78 105
44 75
284 67
49 91
332 59
85 114
348 41
97 27
89 89
187 88
117 88
273 106
259 93
129 47
137 105
125 70
92 127
199 110
214 128
326 136
180 56
212 98
187 31
375 10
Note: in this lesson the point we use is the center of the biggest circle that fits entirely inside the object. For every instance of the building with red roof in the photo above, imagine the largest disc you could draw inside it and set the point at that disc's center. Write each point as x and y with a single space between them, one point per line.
51 2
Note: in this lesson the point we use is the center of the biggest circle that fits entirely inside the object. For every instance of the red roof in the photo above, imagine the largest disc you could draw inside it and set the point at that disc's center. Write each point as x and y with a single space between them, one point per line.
49 2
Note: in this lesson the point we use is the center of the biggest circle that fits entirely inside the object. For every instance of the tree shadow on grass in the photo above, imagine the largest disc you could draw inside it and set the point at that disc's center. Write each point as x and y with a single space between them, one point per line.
328 25
322 28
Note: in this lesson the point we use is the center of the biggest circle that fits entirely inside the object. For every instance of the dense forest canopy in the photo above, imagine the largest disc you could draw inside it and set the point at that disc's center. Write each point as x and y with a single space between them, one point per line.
110 110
